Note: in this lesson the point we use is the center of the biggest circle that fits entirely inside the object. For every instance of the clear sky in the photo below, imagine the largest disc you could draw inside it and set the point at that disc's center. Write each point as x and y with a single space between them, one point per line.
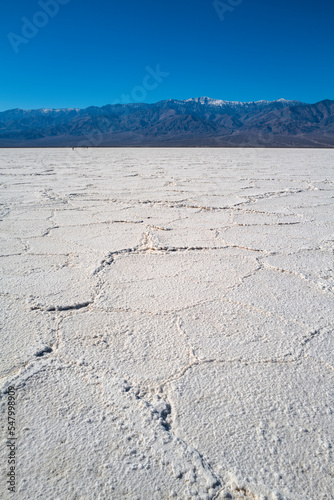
96 52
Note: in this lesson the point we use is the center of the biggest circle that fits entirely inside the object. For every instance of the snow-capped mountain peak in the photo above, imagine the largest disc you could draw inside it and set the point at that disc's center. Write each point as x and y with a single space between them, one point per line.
219 102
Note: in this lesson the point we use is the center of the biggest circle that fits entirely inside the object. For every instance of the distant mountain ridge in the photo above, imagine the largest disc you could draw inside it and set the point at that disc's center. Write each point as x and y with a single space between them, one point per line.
200 121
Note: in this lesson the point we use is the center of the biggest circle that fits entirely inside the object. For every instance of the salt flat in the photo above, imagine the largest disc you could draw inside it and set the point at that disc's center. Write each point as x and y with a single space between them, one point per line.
167 322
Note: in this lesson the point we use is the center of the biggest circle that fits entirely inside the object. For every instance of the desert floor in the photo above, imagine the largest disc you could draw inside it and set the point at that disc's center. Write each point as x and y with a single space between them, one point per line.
167 323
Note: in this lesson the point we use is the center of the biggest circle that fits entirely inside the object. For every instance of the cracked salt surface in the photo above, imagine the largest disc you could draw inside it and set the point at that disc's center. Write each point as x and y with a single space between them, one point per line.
167 319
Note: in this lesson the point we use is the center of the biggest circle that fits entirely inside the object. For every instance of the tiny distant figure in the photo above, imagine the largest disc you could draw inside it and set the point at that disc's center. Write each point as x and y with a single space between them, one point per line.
72 148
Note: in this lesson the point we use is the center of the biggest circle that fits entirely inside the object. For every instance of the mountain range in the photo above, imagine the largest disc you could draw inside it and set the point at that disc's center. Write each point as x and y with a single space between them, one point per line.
199 122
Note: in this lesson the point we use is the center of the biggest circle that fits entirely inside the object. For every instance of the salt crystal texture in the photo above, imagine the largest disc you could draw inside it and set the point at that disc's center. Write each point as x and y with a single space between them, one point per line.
167 322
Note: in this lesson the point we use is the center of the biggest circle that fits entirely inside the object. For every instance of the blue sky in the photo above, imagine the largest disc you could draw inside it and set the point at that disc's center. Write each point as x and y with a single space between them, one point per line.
98 52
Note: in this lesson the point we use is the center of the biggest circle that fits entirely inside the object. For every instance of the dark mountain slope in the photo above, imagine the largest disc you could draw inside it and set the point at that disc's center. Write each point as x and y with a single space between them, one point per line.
193 122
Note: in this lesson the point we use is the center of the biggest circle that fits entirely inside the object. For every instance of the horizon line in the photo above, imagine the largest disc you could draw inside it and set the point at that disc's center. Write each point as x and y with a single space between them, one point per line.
166 100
